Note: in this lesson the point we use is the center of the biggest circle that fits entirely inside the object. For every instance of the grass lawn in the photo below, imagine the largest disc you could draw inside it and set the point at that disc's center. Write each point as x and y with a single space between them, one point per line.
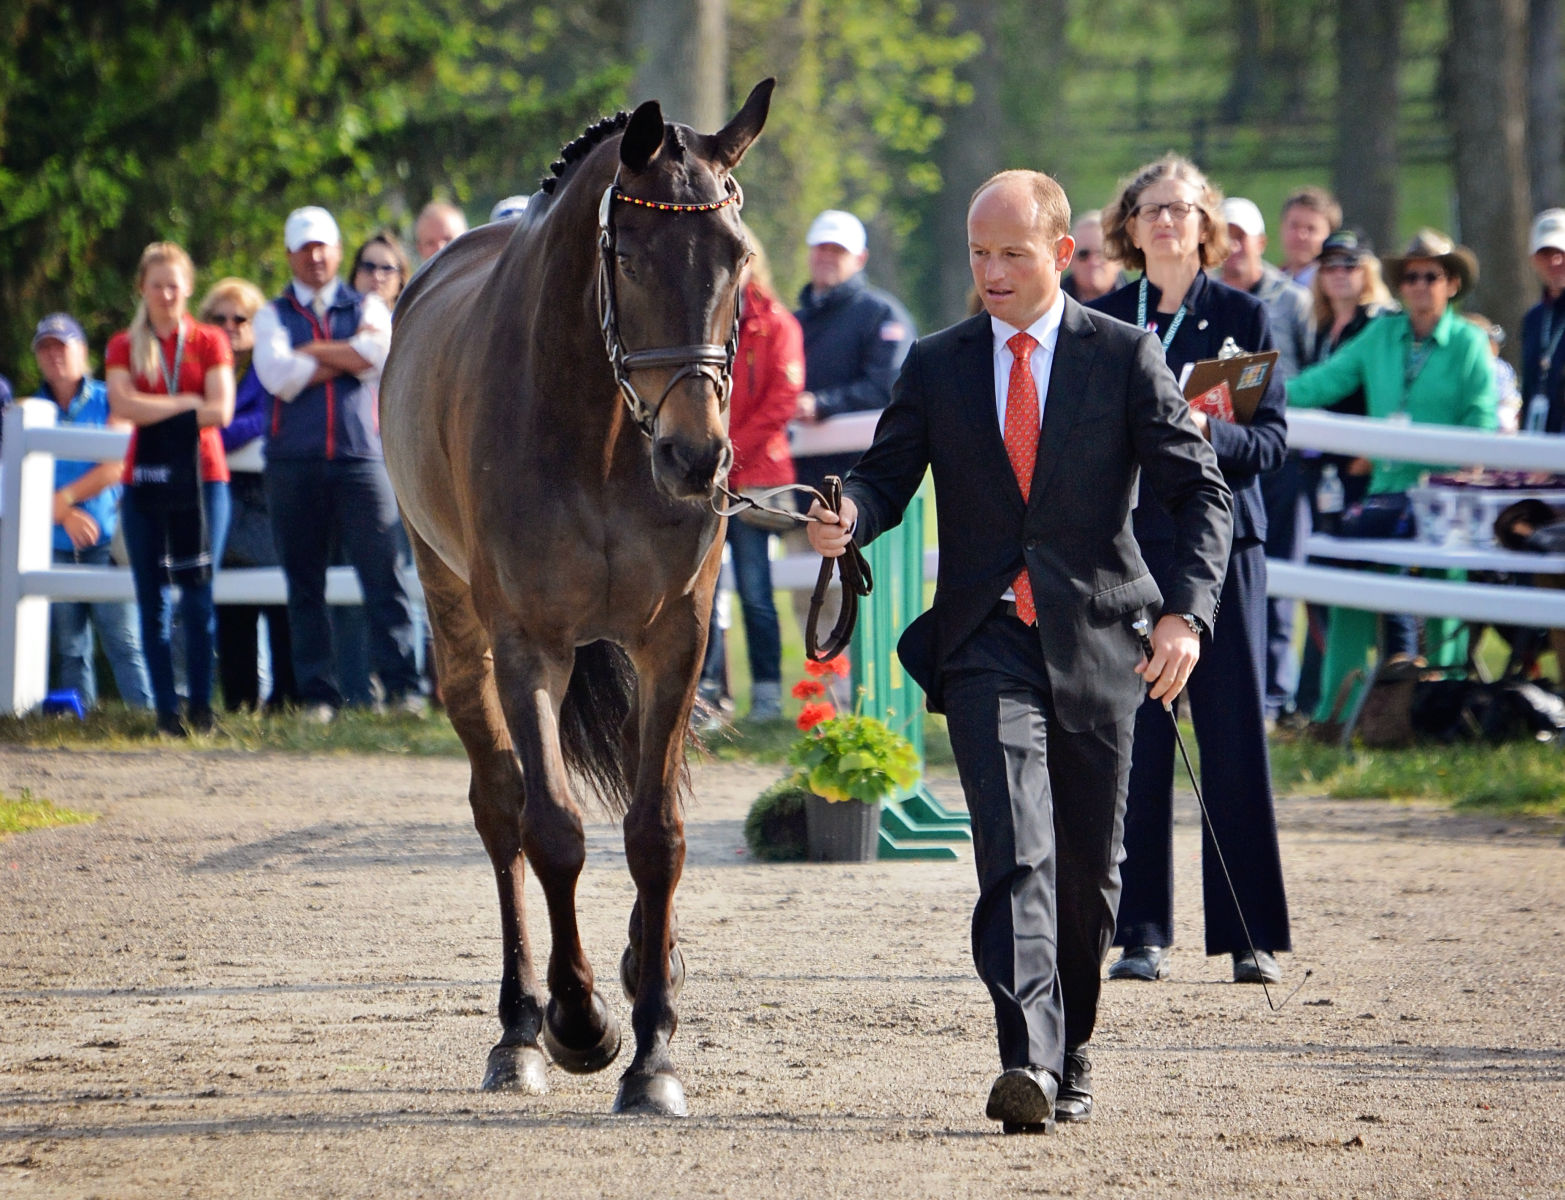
25 811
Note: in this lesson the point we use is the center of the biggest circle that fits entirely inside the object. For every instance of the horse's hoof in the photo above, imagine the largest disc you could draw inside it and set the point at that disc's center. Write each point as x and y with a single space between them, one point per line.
583 1060
630 972
517 1069
657 1095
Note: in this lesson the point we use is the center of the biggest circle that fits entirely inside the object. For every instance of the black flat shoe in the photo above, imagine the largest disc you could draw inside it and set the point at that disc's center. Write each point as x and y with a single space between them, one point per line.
1259 967
1074 1102
1022 1100
1149 963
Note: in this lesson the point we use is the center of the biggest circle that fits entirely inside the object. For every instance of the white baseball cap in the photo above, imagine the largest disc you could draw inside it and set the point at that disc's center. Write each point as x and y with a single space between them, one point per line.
1243 213
511 206
1548 231
310 224
839 229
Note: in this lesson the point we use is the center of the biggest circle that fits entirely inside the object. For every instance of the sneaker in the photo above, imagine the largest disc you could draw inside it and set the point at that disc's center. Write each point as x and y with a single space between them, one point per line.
766 701
318 714
410 704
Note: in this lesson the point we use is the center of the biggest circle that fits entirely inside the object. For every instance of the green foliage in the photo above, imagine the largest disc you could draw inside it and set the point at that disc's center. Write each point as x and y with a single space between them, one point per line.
25 811
855 757
774 827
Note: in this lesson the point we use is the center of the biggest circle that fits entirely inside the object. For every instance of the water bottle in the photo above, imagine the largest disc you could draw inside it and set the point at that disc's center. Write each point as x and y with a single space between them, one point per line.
1329 499
1537 414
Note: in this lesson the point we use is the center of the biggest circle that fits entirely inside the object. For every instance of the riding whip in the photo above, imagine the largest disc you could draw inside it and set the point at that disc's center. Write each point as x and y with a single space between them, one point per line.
1143 629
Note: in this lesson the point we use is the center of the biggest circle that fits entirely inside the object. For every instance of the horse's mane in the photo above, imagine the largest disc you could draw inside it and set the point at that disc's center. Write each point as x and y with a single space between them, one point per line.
579 149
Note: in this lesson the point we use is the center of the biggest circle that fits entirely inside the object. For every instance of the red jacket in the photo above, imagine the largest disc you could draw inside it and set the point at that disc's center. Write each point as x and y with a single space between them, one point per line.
768 376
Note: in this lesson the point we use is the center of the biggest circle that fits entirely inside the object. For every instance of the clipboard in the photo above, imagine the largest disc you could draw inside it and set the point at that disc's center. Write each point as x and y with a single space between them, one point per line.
1230 389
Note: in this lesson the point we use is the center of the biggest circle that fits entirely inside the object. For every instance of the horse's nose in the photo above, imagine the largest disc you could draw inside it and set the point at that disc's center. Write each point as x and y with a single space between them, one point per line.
688 468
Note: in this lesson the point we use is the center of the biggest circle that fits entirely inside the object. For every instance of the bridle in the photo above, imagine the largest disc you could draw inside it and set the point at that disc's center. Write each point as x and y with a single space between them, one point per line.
708 361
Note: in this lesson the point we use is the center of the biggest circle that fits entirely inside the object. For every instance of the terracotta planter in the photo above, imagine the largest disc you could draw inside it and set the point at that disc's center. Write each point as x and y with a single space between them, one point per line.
841 831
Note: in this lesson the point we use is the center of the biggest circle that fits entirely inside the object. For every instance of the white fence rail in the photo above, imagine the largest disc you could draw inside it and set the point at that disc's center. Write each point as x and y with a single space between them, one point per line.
28 579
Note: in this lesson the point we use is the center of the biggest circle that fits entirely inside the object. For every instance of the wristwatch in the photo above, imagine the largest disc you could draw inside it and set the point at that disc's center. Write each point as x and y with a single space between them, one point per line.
1197 626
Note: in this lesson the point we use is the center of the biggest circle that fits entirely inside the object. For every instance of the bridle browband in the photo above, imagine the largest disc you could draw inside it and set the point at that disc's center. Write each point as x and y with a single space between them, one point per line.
707 360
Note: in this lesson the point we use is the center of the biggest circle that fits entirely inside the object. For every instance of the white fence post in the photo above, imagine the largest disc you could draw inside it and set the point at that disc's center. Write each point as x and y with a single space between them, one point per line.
26 536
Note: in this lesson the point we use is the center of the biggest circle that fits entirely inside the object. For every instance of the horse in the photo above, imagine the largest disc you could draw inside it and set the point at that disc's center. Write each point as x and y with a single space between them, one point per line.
557 487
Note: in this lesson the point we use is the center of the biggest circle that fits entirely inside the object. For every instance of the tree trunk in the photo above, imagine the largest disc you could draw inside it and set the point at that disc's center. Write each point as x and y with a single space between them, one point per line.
1489 123
681 55
1364 176
1545 131
1244 85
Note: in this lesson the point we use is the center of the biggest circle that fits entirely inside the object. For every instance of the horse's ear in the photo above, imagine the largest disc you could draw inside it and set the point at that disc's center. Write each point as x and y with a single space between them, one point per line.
643 137
733 139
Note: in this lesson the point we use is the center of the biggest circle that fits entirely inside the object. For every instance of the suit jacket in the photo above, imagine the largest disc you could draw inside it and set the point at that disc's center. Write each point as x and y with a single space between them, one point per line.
1215 311
1112 413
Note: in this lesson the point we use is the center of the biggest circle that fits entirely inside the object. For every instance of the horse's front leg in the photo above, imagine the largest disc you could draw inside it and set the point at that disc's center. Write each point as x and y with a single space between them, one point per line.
579 1028
655 851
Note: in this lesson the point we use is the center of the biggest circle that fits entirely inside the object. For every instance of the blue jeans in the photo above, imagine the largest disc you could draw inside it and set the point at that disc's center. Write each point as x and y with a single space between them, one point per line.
748 550
144 540
311 501
71 627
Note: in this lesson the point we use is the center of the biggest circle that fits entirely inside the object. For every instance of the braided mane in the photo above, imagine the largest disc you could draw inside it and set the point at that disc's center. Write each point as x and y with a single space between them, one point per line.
581 147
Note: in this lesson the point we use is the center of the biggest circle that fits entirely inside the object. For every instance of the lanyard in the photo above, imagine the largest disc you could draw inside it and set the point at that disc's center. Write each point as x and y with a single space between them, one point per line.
1141 316
1551 344
171 378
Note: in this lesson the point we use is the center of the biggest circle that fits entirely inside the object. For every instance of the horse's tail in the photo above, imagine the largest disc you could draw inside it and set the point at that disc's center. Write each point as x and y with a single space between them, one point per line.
593 734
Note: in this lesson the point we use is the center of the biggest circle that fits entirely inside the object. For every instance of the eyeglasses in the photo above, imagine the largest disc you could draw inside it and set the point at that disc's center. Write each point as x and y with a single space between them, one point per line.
375 268
1429 277
234 319
1178 210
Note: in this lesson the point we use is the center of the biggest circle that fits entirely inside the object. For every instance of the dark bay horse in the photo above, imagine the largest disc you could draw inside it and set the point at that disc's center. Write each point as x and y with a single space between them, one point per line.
557 497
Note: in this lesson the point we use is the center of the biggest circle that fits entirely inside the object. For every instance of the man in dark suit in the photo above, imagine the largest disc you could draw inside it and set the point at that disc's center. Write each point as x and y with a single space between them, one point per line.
1028 648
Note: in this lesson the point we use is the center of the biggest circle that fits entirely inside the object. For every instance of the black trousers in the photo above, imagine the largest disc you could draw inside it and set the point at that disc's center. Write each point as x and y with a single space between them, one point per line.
1048 811
1226 706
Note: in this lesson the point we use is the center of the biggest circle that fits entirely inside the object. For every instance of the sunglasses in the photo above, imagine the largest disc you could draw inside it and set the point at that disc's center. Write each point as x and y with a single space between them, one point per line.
1429 277
375 268
233 319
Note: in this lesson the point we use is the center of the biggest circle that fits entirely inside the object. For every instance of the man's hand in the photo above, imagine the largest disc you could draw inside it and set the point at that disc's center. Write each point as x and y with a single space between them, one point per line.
1175 651
828 533
804 407
81 528
1203 423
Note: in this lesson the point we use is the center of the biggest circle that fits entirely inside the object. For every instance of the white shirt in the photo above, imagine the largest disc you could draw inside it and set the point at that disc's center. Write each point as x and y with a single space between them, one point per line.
285 373
1046 332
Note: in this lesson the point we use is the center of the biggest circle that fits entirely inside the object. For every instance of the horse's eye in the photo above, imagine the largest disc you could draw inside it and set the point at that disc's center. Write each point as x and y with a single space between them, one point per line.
627 265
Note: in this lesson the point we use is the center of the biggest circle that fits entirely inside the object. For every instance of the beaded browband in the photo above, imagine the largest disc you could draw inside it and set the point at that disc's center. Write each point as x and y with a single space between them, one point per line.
665 206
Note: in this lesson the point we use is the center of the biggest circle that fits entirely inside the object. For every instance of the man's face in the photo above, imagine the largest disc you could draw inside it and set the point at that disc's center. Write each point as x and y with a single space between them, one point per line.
1303 232
63 364
436 230
1016 263
1425 288
832 265
1549 264
1093 271
315 263
1242 267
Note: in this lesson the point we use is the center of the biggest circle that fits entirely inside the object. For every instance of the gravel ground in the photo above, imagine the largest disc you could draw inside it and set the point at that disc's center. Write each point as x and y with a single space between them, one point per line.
275 975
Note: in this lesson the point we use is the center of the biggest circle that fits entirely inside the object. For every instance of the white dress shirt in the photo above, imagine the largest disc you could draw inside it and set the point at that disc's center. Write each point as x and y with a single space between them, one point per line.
285 373
1046 332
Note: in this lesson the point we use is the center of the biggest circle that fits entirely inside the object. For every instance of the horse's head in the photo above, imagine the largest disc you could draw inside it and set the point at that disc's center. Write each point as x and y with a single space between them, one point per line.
673 250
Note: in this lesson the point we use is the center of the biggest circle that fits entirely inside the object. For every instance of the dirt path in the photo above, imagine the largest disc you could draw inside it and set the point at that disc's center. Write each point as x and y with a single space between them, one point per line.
275 976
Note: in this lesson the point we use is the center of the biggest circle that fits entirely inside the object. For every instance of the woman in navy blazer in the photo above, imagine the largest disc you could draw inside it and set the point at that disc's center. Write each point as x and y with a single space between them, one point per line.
1166 222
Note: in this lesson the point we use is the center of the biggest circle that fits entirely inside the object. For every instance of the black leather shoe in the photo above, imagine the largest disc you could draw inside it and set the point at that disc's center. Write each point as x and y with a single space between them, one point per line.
1022 1100
1259 967
1141 962
1074 1102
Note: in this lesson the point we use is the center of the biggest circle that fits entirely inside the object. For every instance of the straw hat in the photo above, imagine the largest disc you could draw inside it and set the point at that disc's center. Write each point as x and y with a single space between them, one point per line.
1458 261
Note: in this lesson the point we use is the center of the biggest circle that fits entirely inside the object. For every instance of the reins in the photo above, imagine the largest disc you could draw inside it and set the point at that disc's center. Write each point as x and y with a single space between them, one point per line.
716 363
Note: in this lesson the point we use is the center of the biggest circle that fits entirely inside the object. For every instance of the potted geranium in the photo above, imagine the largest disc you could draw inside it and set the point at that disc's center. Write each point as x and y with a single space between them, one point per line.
850 763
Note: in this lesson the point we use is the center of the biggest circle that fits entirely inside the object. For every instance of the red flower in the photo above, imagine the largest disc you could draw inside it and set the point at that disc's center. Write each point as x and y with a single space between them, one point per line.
833 666
812 715
807 689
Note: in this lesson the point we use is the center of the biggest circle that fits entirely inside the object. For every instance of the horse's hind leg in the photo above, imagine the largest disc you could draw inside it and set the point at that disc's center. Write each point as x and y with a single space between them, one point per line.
579 1028
466 671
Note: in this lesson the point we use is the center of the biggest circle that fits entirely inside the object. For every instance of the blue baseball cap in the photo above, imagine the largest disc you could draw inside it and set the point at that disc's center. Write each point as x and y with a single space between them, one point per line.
61 326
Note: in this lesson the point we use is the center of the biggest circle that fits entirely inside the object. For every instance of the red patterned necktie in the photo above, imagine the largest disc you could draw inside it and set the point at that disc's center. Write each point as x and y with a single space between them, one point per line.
1021 444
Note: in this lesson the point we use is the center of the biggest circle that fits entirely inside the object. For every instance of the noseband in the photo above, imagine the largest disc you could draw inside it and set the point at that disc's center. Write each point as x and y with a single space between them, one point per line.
707 361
